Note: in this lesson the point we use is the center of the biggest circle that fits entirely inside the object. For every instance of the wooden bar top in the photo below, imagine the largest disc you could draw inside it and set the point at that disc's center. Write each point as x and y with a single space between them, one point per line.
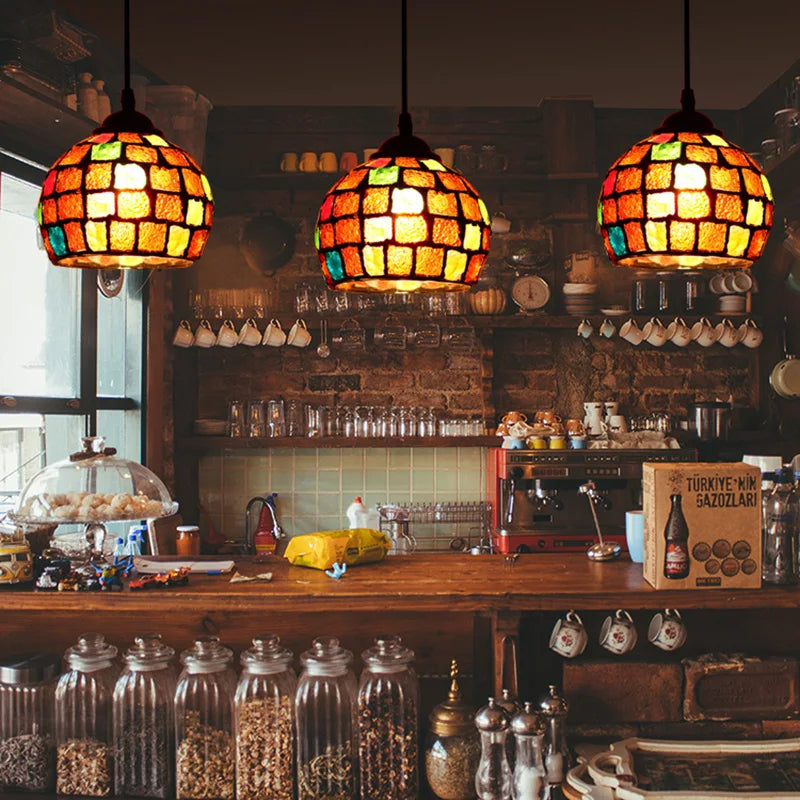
419 582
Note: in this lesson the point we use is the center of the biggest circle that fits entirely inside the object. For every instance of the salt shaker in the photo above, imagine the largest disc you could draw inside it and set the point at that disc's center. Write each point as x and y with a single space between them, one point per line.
554 709
528 780
493 779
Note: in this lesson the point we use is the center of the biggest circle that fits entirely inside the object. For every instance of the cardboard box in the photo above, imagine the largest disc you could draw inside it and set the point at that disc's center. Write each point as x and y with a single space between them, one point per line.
715 526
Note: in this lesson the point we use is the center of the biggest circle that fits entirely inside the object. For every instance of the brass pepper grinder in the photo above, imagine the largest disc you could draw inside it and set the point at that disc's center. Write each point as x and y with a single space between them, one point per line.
511 706
493 780
554 708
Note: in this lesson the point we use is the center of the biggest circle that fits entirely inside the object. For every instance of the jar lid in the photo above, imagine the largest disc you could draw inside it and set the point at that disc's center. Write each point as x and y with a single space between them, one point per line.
206 655
148 649
527 722
266 654
553 704
325 655
491 717
91 652
187 529
388 652
35 668
453 717
508 703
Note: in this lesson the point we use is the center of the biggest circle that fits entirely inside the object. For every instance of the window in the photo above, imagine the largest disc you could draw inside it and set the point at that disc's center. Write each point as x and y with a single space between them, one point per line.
71 363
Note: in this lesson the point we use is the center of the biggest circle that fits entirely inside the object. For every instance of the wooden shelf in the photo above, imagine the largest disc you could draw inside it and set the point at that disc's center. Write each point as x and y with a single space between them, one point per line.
302 442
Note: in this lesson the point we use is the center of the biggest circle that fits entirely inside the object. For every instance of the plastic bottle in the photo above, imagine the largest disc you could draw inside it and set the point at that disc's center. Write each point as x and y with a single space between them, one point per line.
779 562
119 548
357 514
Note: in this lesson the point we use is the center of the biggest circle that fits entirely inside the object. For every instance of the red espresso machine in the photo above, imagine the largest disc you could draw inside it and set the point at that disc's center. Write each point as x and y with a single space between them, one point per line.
537 506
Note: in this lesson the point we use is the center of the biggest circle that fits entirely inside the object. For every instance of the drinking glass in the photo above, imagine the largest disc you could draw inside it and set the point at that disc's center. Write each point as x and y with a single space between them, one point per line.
364 421
302 300
407 423
295 418
276 420
428 425
345 422
313 421
235 418
256 426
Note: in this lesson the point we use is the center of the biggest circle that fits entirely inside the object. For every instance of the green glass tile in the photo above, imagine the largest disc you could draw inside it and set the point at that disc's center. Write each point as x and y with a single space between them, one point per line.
399 483
316 238
399 457
298 526
446 484
280 480
305 457
330 523
421 481
108 151
383 176
328 481
424 496
39 213
353 458
352 484
329 459
328 504
371 499
471 458
305 503
666 151
447 458
305 480
422 457
375 481
156 140
375 459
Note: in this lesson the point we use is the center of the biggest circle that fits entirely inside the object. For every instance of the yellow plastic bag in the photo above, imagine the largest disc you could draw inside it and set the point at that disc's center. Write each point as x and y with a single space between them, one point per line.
323 549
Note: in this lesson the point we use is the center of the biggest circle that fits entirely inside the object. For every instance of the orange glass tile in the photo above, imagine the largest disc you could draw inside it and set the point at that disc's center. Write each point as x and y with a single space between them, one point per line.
690 176
326 239
629 179
374 261
681 236
729 206
352 261
451 181
446 231
609 210
169 207
352 179
659 176
152 236
443 203
100 204
75 240
70 206
177 240
415 177
693 205
660 204
407 162
96 236
634 155
476 263
174 157
712 237
757 244
635 237
69 179
486 237
98 176
376 201
165 179
399 260
656 233
49 185
377 229
197 244
74 154
129 138
133 205
734 157
348 231
691 138
324 267
129 176
738 239
144 155
704 155
430 261
752 183
609 183
768 213
49 211
469 205
724 179
455 265
410 229
123 235
346 204
630 206
194 212
191 180
209 214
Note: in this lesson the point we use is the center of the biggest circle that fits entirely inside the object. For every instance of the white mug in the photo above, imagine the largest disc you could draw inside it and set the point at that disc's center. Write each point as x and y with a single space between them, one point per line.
631 332
204 336
617 423
654 332
750 335
679 333
618 634
249 334
737 282
667 630
183 335
590 408
594 424
726 333
227 336
569 637
274 335
608 328
610 408
585 329
717 283
703 332
298 335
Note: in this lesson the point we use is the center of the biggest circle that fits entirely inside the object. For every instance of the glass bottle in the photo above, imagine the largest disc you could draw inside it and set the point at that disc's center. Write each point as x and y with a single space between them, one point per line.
528 729
83 718
453 748
676 534
511 706
325 706
264 716
388 722
205 762
779 560
27 758
554 709
493 778
144 724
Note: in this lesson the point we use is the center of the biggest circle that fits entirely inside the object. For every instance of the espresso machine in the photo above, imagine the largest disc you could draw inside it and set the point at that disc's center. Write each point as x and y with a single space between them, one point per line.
538 505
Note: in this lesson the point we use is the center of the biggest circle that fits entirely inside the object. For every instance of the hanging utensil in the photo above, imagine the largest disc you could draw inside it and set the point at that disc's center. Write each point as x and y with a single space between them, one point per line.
267 243
785 375
323 350
110 281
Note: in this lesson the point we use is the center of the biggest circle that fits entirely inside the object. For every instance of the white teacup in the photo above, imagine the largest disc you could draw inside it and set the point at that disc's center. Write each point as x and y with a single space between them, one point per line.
617 423
183 335
298 335
654 332
227 336
585 329
249 334
591 408
204 336
726 333
274 335
667 630
611 408
569 637
750 335
608 328
631 332
717 283
618 634
703 332
679 333
737 282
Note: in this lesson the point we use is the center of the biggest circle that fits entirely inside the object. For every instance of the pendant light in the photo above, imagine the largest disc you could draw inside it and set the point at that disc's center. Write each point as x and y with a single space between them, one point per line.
402 221
685 197
125 197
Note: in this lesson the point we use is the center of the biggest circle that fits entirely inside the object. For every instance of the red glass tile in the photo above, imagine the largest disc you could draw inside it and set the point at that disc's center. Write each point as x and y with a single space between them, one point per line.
378 163
629 180
757 244
486 236
376 201
346 204
354 178
443 203
152 236
74 154
352 261
49 183
75 240
609 211
660 138
752 183
101 138
469 205
451 181
169 207
729 207
209 214
634 155
348 231
326 209
326 239
768 213
692 138
174 156
430 261
446 231
197 243
49 212
141 154
703 155
712 237
609 183
659 176
476 263
630 206
70 206
165 179
415 177
635 236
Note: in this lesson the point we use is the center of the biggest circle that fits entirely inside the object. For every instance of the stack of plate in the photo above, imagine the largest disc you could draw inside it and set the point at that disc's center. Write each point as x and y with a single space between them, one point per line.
580 299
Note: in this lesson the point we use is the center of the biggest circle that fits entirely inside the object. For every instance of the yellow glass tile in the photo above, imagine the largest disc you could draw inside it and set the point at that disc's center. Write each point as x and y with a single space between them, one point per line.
177 240
712 236
75 240
752 183
634 155
690 176
691 138
70 206
738 239
165 179
660 204
352 261
144 155
755 212
152 236
433 165
729 207
656 233
194 212
472 237
452 181
757 244
174 157
455 265
197 244
376 201
129 138
326 238
156 140
206 187
377 229
129 176
410 229
191 180
416 177
629 179
399 260
631 206
123 236
724 179
681 236
100 204
49 211
169 207
74 154
693 205
69 179
715 140
443 203
407 201
484 212
705 155
476 263
659 176
98 176
133 205
446 231
734 157
469 205
429 261
635 237
609 211
96 236
767 187
348 231
373 261
346 204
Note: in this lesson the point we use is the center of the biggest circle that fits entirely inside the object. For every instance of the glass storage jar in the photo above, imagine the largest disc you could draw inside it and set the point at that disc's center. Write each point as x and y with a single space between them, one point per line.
144 722
204 722
453 748
27 758
264 714
325 706
388 722
83 718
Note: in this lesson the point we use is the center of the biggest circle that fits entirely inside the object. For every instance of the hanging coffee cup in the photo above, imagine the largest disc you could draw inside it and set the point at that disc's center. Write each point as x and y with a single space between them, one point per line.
249 334
750 335
703 332
585 329
569 637
274 335
618 634
298 335
183 335
227 336
679 333
631 332
204 336
667 630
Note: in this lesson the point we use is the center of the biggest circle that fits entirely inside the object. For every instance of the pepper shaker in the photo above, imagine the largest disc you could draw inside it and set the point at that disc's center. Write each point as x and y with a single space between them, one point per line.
528 780
512 707
554 708
493 779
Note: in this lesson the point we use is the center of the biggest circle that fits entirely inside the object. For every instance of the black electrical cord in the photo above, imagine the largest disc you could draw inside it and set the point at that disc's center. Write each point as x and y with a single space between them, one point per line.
687 95
404 123
127 100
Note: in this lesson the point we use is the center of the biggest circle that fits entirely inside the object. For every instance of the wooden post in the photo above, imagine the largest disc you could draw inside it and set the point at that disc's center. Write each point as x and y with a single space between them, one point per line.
505 651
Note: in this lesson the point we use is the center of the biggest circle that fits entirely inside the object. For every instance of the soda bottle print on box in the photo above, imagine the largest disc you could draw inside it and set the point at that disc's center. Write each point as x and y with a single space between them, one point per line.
676 533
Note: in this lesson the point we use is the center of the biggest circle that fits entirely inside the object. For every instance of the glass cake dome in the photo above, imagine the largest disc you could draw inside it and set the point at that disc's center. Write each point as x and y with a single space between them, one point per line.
93 486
